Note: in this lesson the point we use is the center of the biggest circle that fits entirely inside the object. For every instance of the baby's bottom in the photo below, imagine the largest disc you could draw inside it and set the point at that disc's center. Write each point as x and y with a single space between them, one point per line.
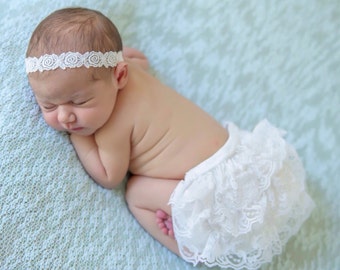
145 196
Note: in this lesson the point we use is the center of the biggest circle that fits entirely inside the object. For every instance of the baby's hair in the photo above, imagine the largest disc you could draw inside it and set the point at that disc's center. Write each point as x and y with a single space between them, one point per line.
74 29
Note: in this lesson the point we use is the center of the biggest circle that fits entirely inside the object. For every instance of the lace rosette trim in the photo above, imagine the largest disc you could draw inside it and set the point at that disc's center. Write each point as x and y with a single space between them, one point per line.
73 60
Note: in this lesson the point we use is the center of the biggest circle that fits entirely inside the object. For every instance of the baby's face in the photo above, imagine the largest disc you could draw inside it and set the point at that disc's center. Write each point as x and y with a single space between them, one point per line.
75 100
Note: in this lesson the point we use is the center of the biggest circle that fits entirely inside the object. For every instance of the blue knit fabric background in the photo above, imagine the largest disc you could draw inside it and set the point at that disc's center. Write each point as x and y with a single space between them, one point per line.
239 60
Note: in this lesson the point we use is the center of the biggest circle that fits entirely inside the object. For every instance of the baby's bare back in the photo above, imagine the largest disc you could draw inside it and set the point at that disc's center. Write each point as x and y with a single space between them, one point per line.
170 134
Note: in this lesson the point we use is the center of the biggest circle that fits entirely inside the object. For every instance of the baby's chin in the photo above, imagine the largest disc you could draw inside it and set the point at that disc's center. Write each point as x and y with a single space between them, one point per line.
81 131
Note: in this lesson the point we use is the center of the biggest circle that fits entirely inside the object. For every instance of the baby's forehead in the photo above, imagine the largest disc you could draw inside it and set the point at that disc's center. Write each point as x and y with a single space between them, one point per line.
69 82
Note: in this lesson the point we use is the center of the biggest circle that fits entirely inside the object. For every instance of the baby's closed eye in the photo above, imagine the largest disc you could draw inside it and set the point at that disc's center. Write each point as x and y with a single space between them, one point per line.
81 102
49 107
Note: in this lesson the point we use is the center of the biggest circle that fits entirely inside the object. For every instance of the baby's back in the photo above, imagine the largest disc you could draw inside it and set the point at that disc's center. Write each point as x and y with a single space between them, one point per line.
170 134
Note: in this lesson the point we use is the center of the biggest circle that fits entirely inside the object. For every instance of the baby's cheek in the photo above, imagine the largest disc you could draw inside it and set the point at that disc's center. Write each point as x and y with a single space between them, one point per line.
52 120
95 118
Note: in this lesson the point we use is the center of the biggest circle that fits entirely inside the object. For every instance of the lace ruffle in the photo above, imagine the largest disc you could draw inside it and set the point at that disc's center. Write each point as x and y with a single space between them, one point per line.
241 212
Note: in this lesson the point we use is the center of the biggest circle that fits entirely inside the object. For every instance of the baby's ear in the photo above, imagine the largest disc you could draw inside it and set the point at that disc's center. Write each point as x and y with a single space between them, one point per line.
121 74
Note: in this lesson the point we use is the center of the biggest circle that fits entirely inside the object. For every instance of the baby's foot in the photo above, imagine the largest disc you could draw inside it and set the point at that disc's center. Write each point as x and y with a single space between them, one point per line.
164 222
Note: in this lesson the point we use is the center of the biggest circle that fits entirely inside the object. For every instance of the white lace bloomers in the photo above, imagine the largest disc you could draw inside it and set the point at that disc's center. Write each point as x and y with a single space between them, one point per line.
240 207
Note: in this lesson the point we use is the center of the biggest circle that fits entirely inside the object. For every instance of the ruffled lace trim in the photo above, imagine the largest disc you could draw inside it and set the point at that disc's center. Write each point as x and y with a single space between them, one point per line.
242 212
72 60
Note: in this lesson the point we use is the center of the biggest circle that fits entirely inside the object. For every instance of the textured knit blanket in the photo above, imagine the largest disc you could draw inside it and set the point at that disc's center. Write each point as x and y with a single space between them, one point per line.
241 61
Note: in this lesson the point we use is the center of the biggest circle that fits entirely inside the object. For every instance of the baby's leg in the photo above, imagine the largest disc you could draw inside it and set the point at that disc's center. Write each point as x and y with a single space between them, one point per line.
144 197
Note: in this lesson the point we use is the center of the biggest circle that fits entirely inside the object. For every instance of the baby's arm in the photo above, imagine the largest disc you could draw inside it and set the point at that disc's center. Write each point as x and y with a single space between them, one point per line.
92 160
88 154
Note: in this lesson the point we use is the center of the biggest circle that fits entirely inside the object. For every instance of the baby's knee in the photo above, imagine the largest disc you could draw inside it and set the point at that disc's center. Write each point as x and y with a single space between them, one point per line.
133 191
130 190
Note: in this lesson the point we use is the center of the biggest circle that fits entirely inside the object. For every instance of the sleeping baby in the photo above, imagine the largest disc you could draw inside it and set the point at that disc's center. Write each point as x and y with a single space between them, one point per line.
212 194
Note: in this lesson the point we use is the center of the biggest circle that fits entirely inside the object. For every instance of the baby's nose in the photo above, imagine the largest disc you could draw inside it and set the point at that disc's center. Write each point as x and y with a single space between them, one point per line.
65 115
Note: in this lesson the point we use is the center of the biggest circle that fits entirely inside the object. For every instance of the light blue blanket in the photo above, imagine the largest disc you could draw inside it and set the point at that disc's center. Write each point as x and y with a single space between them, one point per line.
239 60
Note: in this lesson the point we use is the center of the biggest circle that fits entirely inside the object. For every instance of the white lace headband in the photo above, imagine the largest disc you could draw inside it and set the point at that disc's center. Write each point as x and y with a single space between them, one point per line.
72 60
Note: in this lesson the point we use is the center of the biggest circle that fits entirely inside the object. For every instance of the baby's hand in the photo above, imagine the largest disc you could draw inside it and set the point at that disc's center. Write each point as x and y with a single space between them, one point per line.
136 57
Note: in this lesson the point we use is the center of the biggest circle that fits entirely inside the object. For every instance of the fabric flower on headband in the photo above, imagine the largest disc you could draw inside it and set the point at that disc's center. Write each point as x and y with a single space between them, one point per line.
73 60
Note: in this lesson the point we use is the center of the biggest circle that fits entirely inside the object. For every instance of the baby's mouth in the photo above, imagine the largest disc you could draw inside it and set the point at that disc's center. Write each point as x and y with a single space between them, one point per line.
77 129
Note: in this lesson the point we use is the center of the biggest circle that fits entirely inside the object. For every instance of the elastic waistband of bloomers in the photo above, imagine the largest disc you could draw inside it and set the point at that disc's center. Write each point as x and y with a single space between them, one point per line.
227 150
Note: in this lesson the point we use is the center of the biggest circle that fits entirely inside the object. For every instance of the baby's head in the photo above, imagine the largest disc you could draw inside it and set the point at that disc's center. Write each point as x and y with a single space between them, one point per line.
76 30
75 66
